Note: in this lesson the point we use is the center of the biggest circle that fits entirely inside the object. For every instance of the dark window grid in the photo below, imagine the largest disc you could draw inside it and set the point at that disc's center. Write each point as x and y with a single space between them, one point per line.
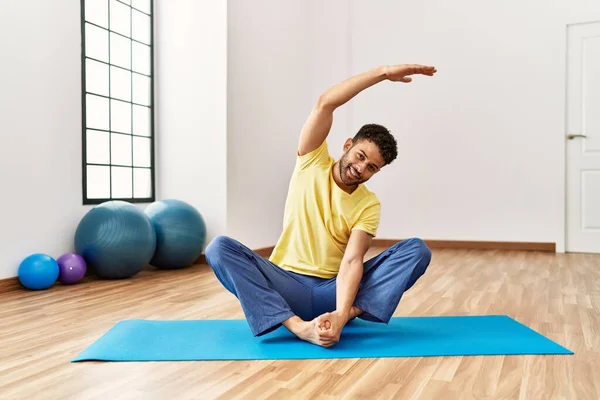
152 161
119 133
110 148
118 66
121 100
133 8
120 34
110 179
127 199
118 165
131 106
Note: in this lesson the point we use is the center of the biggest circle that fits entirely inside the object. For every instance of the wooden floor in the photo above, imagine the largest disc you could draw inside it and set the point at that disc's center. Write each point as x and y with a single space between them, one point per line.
557 295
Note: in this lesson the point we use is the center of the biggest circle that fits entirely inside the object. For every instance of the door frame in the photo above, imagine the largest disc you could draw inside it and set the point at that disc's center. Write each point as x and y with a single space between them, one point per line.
561 245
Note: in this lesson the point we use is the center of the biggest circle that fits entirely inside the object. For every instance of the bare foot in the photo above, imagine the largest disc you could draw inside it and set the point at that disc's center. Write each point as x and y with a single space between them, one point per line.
308 331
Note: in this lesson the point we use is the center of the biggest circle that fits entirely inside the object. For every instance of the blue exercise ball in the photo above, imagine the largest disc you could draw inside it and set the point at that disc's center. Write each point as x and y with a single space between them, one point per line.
38 272
180 233
116 239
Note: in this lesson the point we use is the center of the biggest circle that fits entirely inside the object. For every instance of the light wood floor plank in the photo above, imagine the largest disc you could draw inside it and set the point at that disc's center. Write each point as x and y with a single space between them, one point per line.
555 294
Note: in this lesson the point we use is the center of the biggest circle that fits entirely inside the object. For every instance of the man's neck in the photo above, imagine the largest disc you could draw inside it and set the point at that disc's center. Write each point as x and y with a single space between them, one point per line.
338 179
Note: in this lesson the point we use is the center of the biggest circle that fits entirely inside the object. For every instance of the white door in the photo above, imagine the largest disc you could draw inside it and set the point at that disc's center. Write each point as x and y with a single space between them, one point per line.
583 138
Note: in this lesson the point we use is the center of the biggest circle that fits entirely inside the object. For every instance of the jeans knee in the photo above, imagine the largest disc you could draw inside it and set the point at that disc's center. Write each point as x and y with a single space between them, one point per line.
215 248
423 252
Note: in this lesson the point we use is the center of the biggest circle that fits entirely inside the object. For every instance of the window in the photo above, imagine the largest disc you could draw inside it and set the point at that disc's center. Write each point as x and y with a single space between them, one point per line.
118 97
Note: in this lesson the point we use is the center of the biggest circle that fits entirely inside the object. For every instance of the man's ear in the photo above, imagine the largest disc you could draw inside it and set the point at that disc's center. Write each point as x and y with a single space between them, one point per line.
348 144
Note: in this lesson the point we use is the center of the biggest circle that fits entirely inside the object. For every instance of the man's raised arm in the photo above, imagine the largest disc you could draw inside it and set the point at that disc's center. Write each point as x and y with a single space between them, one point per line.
320 120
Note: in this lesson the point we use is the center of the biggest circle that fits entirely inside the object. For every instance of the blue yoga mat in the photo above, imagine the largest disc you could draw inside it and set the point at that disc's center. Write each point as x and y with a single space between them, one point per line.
142 340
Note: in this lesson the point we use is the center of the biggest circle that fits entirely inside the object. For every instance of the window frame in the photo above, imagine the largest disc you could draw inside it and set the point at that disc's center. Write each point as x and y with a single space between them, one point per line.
132 199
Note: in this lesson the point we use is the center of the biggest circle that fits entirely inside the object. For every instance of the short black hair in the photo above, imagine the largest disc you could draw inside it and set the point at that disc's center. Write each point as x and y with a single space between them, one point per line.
382 137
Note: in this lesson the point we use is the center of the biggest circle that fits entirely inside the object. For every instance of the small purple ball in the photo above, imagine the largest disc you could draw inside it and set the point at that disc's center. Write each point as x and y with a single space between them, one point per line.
72 268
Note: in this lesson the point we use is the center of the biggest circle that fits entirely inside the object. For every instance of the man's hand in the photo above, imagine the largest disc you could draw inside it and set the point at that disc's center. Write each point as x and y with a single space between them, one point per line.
329 326
399 73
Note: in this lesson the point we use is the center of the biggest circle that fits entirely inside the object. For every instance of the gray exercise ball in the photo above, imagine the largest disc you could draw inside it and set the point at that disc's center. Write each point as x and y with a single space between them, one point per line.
180 233
116 239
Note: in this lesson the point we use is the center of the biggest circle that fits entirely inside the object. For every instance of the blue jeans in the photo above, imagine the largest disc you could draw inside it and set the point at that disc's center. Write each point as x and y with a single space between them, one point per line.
269 295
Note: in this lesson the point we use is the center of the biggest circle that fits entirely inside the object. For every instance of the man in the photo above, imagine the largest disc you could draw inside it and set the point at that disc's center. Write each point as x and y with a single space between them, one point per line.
315 280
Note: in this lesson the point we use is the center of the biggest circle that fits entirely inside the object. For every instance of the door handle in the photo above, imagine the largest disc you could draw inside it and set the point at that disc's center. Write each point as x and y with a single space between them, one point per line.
575 135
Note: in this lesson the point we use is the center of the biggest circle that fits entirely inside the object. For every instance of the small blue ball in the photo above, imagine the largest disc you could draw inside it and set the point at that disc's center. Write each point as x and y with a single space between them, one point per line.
38 272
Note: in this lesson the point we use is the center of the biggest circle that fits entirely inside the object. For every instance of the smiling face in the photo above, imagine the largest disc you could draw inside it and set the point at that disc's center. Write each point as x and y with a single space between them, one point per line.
360 161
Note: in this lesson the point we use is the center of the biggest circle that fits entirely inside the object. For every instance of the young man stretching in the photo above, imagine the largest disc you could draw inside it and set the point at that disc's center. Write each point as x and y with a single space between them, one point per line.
315 280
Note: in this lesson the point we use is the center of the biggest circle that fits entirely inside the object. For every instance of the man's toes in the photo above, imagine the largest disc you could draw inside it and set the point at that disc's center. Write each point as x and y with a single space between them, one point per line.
326 334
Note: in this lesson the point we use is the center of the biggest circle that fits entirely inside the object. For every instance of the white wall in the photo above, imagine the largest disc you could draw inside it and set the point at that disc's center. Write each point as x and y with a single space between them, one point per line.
236 169
481 148
40 130
40 116
191 106
481 145
268 99
281 57
331 61
229 112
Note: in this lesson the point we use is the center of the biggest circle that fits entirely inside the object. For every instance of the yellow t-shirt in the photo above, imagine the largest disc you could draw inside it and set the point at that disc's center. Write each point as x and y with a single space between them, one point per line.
319 217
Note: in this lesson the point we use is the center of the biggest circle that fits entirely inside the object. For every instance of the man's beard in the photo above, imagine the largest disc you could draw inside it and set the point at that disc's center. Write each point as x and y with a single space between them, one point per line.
347 178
